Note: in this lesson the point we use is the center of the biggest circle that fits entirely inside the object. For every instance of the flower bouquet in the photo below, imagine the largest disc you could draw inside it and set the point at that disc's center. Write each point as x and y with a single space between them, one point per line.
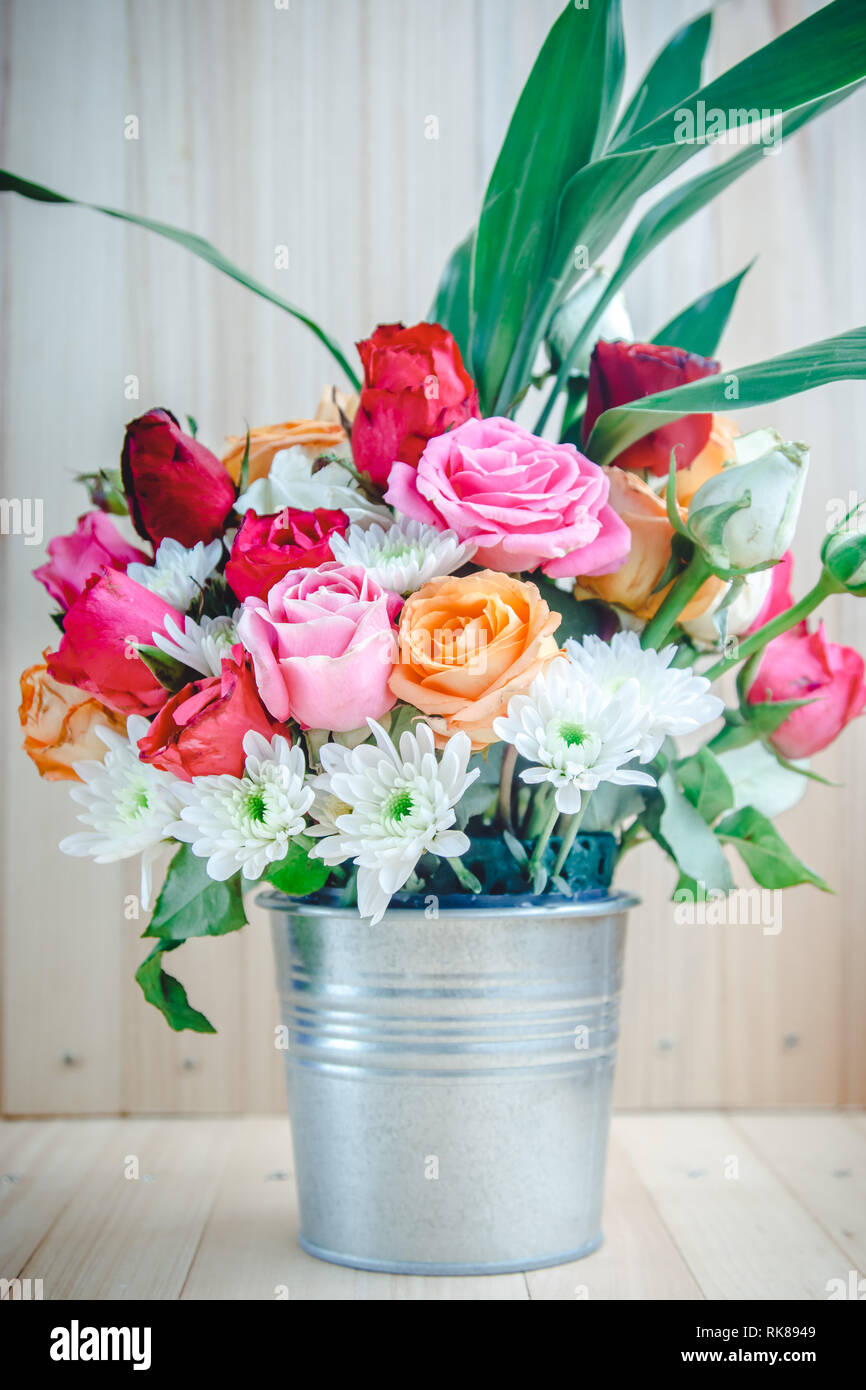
410 655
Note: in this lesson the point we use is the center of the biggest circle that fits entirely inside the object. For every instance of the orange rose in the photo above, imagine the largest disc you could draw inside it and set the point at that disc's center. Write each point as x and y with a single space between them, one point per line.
633 586
715 453
59 724
466 646
315 436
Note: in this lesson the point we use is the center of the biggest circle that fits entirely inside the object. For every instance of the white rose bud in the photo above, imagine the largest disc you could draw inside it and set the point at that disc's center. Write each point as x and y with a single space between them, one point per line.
739 615
767 480
570 317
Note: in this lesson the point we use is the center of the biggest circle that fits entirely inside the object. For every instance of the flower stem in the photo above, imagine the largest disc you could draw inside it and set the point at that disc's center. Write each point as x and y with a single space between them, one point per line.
506 779
542 841
465 877
790 618
572 826
683 589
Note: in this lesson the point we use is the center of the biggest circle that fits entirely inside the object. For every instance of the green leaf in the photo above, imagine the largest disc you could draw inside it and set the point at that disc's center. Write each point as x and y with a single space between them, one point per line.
170 673
12 183
769 860
685 835
451 305
193 904
168 995
699 328
192 422
579 616
674 74
842 358
244 475
705 784
759 779
297 873
105 490
561 122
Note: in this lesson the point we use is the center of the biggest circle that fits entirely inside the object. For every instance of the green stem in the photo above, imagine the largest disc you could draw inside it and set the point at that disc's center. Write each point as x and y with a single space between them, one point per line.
568 839
825 586
506 779
542 841
464 877
681 592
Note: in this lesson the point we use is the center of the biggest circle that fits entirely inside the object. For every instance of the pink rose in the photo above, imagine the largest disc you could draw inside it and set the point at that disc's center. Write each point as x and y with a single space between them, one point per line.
805 666
522 500
778 597
95 542
323 645
100 631
200 731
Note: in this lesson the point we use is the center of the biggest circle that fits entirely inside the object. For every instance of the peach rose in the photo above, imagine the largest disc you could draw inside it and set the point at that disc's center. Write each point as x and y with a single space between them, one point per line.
59 724
315 436
466 646
715 453
633 586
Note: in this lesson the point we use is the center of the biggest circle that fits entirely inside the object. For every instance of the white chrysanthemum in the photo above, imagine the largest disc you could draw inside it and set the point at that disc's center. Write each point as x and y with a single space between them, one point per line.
404 556
247 822
575 734
178 575
202 645
673 699
291 482
129 805
399 804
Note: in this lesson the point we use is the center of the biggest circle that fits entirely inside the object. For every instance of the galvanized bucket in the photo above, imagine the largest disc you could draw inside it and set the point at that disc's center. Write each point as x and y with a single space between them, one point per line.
449 1076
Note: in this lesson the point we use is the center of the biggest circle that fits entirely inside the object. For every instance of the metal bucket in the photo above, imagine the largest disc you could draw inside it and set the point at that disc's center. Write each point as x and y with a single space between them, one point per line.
449 1079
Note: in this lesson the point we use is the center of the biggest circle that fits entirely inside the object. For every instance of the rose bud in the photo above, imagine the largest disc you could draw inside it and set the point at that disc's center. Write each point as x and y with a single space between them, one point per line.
767 483
567 322
844 557
100 634
267 547
805 666
174 486
623 372
200 731
415 388
95 542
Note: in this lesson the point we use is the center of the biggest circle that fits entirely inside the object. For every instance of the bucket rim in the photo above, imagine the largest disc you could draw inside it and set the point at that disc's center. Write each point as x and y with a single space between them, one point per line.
486 907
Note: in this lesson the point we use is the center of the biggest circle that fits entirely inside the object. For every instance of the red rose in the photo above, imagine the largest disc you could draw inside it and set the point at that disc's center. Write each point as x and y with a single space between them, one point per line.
174 486
415 387
804 666
623 372
200 731
100 631
267 547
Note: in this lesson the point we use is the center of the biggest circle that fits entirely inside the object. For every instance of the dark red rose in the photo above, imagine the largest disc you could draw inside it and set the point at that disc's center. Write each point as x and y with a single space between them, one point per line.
415 387
622 372
200 731
100 632
174 486
267 547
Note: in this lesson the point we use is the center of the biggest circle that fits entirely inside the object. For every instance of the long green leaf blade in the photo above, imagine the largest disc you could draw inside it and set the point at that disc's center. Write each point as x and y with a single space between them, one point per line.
451 305
12 183
700 326
674 74
842 358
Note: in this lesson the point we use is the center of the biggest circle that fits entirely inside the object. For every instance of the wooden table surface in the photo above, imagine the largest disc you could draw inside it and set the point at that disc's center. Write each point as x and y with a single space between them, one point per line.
699 1205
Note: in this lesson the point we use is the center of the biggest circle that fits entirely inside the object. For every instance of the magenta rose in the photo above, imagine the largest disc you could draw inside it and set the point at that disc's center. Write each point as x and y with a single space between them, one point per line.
174 486
521 500
323 645
801 665
200 731
778 598
266 548
98 650
95 543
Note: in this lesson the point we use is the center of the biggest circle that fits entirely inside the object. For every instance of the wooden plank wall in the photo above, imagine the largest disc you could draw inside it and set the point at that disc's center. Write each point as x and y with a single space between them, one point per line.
303 126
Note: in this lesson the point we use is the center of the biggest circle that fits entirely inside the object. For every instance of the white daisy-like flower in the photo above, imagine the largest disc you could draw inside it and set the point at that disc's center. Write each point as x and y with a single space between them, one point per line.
398 804
129 805
575 734
202 645
405 555
178 575
672 699
247 822
291 482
